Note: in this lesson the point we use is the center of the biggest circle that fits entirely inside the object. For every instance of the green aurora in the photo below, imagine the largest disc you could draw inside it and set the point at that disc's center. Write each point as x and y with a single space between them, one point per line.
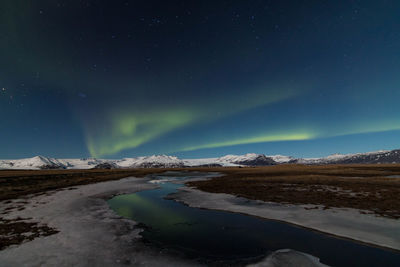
106 79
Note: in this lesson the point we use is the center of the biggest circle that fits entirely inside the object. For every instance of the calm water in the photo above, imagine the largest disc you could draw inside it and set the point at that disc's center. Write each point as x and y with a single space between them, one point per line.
393 176
209 236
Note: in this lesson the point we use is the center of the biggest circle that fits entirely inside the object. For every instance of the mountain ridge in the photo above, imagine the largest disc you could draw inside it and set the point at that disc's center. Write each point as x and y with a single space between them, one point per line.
165 161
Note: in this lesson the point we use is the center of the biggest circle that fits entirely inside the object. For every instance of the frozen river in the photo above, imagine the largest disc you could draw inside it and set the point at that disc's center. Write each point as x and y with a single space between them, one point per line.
210 236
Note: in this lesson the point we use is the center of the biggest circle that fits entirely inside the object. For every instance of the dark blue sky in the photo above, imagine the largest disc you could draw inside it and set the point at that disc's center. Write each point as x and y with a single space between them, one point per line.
198 78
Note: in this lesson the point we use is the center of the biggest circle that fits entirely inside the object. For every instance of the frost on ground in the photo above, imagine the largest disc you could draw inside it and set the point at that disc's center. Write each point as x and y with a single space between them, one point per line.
288 258
349 223
19 230
90 234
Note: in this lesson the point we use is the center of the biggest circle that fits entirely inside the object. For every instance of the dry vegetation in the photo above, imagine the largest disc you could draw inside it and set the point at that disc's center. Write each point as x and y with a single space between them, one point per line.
21 183
361 186
364 187
13 232
17 183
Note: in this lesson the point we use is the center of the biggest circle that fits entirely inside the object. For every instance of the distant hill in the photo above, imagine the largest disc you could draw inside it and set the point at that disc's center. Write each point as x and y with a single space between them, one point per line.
164 161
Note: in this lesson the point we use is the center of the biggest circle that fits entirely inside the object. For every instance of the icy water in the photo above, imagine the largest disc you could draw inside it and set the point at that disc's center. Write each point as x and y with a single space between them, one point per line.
210 236
393 176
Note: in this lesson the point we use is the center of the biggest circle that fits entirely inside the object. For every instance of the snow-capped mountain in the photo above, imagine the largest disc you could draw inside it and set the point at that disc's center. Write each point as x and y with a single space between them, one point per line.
382 156
370 157
206 162
84 163
38 162
281 158
156 161
163 161
106 165
250 159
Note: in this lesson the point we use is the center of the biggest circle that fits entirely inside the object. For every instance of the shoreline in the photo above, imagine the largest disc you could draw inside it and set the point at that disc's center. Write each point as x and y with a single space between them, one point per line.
297 215
90 233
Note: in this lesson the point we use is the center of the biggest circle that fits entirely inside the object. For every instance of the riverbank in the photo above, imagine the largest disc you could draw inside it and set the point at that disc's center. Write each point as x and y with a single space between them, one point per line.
74 225
360 202
347 223
370 188
89 233
20 183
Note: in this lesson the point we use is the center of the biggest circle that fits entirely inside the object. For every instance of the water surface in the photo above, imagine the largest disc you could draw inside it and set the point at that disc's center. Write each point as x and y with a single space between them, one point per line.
393 176
217 236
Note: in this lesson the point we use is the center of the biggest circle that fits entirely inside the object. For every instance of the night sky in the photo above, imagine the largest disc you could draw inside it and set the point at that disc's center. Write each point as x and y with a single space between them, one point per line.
115 79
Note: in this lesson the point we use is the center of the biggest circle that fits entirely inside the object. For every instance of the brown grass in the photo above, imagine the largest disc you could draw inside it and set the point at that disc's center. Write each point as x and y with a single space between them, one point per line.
20 183
361 187
13 232
17 183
